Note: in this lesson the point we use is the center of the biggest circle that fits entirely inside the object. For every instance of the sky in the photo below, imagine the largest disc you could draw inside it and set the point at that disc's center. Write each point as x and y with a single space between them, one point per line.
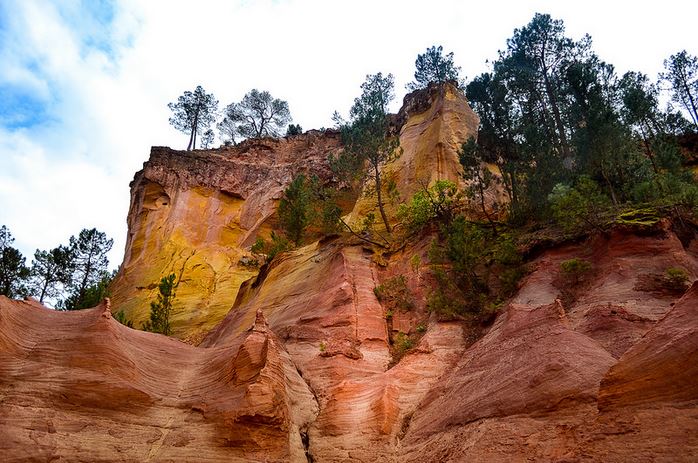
84 84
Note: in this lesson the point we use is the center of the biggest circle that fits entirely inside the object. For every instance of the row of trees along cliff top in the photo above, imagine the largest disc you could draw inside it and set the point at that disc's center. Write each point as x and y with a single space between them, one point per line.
73 276
259 114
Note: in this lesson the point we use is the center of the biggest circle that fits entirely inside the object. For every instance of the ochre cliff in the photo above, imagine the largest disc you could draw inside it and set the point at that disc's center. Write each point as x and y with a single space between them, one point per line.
197 213
432 125
297 360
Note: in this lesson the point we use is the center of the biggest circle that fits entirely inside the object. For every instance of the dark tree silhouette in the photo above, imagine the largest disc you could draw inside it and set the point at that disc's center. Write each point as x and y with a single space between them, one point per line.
194 112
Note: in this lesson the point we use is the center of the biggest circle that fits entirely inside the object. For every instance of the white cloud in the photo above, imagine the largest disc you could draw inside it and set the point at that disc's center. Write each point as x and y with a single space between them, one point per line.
106 86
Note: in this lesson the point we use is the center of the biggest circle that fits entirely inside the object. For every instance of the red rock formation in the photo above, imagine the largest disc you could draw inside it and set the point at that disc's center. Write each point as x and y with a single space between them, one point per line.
300 369
80 386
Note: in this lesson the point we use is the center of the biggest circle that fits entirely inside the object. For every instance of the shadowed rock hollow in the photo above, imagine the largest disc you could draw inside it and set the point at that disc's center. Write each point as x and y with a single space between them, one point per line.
295 364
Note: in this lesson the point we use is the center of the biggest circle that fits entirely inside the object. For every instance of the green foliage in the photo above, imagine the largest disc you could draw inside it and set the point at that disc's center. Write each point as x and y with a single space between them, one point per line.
394 294
276 245
90 278
93 295
401 344
676 279
293 130
257 115
120 317
13 271
573 270
478 177
438 203
50 272
644 217
367 143
553 116
682 75
193 113
581 208
474 268
161 308
296 208
669 189
434 67
421 328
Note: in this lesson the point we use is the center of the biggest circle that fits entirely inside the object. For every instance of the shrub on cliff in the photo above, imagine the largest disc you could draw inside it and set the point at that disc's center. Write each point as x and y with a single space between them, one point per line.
296 208
580 208
161 308
270 249
676 279
438 203
574 270
394 294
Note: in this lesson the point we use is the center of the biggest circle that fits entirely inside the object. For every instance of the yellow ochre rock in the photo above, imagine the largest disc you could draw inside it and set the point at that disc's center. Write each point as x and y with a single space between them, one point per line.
196 213
433 124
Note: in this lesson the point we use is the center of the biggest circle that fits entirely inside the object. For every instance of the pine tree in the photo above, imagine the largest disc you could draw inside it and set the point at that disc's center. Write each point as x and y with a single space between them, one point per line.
194 112
13 271
433 66
161 308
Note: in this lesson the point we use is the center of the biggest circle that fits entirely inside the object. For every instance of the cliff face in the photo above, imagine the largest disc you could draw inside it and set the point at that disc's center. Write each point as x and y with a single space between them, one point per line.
197 213
303 362
432 124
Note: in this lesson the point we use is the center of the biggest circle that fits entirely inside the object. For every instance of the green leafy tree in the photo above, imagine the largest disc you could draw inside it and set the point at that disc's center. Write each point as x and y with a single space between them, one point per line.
368 145
13 271
535 63
193 113
500 137
161 308
50 272
90 276
296 208
433 66
258 115
682 76
580 208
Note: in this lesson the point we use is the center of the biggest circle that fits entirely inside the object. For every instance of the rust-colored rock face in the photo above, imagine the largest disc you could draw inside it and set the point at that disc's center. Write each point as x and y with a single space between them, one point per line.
82 387
196 214
298 361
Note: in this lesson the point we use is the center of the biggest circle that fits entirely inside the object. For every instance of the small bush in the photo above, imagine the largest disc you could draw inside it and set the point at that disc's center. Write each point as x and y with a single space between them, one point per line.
581 208
439 202
573 270
394 294
120 317
402 343
676 279
270 249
